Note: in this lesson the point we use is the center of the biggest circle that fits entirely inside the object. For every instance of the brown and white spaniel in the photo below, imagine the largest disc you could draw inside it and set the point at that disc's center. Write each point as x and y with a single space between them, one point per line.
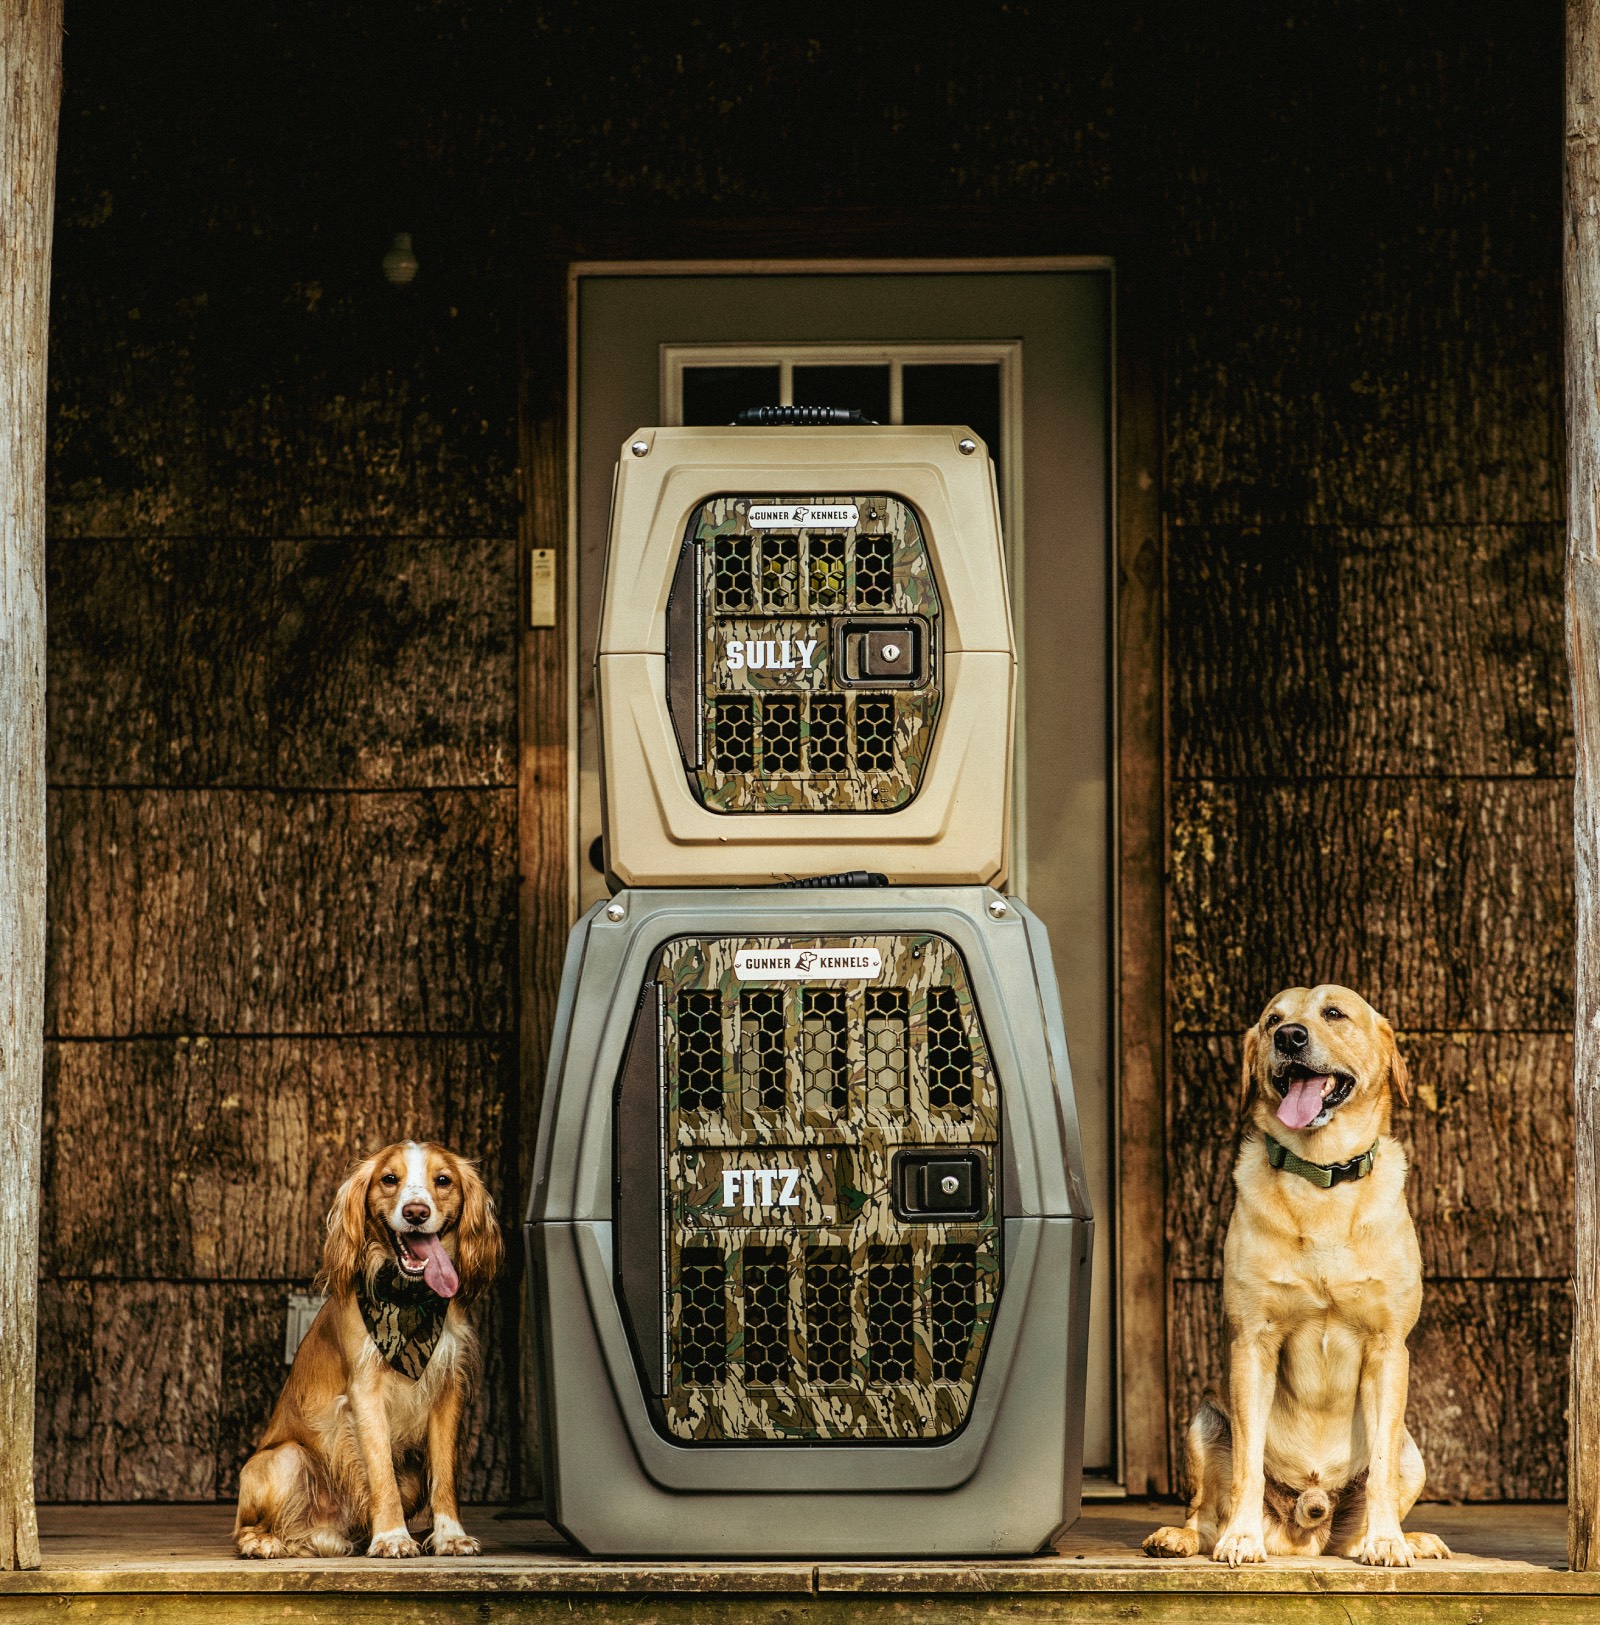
364 1433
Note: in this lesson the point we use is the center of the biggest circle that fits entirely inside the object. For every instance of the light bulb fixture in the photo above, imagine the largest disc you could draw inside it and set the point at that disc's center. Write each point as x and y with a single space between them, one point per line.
400 263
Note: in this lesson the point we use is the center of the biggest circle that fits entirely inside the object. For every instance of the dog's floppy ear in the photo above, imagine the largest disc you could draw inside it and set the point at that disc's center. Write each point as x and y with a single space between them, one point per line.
1399 1073
346 1246
1247 1073
479 1248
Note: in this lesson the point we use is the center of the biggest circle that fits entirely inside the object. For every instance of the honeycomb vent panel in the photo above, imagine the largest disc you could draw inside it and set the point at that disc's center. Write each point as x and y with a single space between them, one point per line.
806 1310
789 721
828 1320
732 562
765 1304
828 735
780 736
700 1051
891 1341
949 1054
733 735
761 1050
702 1341
952 1295
824 1049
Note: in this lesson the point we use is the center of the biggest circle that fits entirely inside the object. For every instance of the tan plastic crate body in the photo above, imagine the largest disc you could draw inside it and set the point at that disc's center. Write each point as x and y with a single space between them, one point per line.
940 799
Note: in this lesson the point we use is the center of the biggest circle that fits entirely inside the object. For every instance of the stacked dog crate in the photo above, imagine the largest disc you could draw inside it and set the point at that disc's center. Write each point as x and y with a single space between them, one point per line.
809 1228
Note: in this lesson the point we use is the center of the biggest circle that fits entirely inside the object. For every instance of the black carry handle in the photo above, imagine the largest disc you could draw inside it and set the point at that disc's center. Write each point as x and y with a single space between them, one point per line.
766 417
851 877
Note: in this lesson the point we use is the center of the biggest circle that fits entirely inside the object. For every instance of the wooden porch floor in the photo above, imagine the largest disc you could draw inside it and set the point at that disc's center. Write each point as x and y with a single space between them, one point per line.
138 1563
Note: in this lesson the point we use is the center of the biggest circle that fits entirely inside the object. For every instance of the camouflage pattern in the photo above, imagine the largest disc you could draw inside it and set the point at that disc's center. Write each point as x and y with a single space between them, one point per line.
793 586
827 1079
404 1317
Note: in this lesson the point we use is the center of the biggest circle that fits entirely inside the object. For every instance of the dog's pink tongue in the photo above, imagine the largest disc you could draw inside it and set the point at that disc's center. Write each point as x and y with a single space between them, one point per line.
1302 1103
437 1270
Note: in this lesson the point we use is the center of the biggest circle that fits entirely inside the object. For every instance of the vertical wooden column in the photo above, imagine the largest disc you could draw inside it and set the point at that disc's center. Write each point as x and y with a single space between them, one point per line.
30 85
542 785
1581 252
1141 901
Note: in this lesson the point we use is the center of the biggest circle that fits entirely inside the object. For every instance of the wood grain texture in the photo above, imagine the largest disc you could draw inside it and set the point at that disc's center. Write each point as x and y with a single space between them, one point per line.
1141 911
129 1379
242 1143
1581 248
232 912
30 90
1488 1382
1303 650
544 834
1487 1135
365 662
156 1390
337 406
1366 338
1447 903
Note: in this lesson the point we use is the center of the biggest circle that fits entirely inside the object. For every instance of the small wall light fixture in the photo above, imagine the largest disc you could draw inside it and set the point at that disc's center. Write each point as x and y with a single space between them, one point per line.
400 263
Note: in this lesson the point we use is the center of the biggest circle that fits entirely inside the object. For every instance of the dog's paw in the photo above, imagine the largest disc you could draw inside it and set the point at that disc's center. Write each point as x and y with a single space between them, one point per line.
258 1543
393 1543
1383 1551
1174 1540
1239 1546
449 1539
1426 1545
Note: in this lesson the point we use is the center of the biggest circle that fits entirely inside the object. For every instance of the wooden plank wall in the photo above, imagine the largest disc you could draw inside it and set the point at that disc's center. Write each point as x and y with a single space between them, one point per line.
283 660
282 753
1370 744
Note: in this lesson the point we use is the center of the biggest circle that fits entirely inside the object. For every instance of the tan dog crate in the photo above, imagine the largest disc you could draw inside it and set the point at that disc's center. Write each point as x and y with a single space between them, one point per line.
805 662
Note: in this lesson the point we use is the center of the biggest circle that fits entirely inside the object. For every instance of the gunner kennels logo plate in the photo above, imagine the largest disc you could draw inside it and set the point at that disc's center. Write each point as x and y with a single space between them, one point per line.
802 516
807 964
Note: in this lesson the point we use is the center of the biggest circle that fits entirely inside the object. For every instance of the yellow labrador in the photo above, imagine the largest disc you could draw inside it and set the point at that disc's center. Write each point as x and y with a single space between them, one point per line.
1322 1282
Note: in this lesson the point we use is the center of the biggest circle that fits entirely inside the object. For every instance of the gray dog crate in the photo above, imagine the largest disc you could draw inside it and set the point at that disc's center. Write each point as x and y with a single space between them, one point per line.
809 1228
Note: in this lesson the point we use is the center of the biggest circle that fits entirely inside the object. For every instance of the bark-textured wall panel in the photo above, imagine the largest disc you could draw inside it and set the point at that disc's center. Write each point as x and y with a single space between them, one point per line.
68 1381
1486 1133
242 1142
1411 388
1302 650
238 394
234 912
129 1381
1488 1382
252 1374
1364 325
1446 903
364 662
157 1391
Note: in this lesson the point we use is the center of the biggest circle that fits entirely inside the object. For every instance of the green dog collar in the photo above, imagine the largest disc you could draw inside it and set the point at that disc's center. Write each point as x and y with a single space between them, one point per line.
1320 1173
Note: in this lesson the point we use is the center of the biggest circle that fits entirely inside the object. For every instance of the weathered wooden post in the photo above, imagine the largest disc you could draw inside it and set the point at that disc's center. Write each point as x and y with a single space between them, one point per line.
30 80
1582 267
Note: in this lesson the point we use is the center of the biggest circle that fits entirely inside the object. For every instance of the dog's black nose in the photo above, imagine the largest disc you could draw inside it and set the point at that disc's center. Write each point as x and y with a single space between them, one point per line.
414 1212
1290 1038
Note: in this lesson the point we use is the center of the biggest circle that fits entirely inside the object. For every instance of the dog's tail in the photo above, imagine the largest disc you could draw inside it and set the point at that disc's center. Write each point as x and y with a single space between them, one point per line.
1314 1508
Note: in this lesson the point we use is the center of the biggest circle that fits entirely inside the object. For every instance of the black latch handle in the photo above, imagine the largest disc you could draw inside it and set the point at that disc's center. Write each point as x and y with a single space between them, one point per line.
767 417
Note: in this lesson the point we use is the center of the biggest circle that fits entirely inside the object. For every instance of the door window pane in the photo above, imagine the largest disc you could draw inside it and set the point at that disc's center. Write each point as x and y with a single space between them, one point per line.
966 392
712 395
866 388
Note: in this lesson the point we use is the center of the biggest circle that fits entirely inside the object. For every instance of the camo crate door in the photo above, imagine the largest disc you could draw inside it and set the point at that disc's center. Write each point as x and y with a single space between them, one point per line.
800 1305
785 724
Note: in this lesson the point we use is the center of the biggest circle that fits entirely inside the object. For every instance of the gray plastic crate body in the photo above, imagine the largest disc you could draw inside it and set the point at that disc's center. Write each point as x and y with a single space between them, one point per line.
1007 1477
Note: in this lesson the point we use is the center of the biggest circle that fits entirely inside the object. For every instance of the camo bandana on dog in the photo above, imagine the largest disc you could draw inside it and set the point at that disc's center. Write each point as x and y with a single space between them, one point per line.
404 1317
